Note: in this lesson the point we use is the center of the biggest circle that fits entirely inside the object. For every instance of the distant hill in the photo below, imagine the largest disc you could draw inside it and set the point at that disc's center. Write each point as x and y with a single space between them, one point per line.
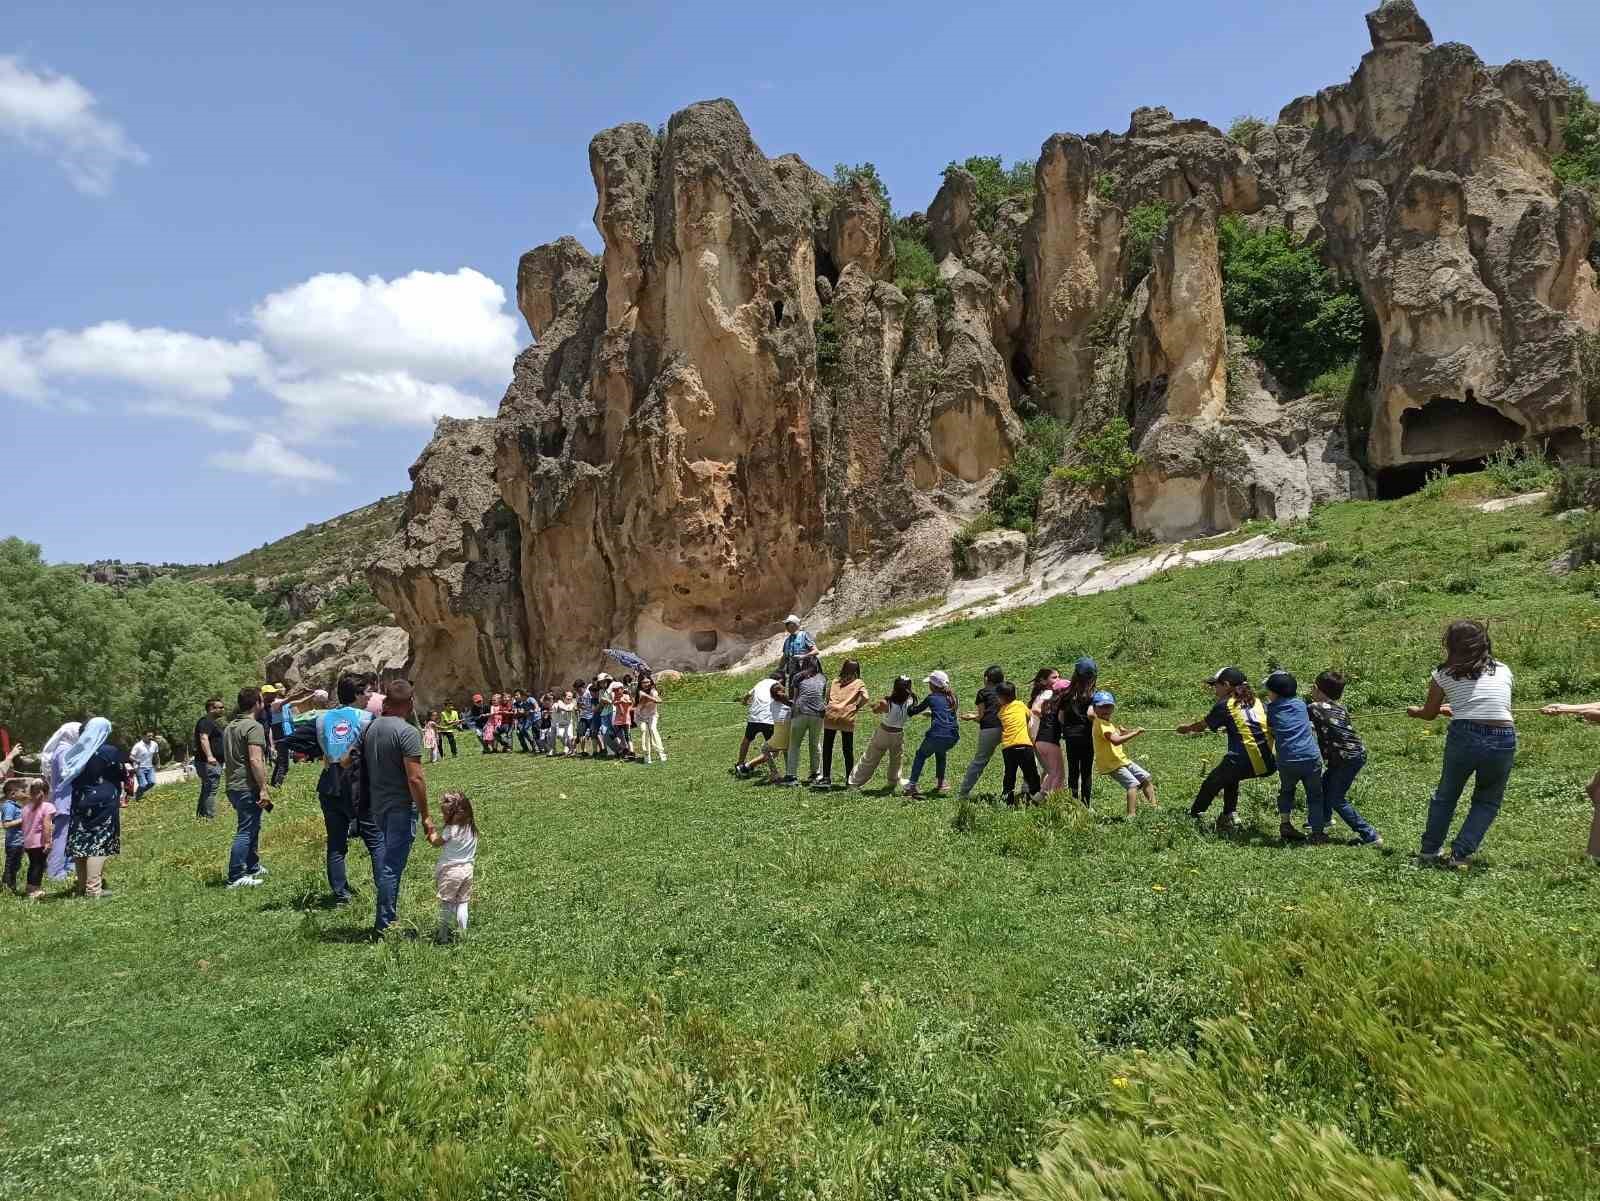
313 575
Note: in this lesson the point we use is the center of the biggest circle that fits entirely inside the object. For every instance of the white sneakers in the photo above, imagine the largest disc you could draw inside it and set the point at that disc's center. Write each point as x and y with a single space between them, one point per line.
245 882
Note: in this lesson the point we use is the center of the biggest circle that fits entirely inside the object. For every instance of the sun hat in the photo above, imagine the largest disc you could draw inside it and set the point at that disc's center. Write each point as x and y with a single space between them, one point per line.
792 619
1282 683
1103 698
1231 676
1086 667
938 679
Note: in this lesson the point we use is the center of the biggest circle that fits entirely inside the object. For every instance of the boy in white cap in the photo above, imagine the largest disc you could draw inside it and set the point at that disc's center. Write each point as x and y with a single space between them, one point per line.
942 735
797 647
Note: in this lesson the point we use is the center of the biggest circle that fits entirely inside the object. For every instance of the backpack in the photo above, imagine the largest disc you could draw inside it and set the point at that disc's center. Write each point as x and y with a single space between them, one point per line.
345 786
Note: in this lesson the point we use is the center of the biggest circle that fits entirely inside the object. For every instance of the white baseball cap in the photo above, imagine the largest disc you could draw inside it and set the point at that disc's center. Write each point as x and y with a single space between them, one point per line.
938 679
792 619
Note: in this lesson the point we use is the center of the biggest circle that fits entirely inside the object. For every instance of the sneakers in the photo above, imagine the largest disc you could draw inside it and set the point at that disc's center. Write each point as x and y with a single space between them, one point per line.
1318 838
1227 823
261 872
1375 841
943 790
245 882
1456 863
910 790
1288 833
1425 859
790 782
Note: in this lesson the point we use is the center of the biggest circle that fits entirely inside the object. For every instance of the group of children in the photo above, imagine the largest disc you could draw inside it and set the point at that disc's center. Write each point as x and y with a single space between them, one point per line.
28 818
1068 727
597 719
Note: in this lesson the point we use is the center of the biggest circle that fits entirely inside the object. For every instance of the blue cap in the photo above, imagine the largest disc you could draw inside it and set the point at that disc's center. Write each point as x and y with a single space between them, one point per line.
1086 667
1102 698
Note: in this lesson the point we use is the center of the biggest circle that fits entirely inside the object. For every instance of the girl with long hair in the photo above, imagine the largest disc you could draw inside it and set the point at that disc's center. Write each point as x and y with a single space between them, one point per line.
452 876
1075 716
889 739
847 696
1473 689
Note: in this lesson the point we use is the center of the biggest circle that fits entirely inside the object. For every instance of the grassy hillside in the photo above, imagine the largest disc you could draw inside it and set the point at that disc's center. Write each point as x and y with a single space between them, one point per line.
313 574
678 985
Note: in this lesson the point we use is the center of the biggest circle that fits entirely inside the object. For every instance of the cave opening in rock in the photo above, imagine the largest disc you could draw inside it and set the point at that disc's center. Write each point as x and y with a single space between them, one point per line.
704 640
1022 369
777 312
1453 430
1403 480
825 267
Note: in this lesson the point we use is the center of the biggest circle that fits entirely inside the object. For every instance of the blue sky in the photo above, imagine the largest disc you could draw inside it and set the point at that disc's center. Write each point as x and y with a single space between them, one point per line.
250 251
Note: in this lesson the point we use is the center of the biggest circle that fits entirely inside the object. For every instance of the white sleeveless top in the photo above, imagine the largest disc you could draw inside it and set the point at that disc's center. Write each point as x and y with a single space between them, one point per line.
1488 698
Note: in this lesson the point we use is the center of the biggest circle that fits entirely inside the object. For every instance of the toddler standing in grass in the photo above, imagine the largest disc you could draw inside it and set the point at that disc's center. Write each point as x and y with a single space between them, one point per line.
1111 760
430 739
1342 751
452 877
566 716
38 829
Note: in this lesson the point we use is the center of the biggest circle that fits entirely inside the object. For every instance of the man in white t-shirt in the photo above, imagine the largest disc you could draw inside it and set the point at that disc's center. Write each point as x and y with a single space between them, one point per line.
759 720
144 754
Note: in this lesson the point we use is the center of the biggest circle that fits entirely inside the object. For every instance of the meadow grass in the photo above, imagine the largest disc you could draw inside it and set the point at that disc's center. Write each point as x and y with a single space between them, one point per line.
680 985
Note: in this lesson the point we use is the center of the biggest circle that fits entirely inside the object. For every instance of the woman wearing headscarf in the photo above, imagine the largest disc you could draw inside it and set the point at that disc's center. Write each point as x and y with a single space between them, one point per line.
94 766
51 759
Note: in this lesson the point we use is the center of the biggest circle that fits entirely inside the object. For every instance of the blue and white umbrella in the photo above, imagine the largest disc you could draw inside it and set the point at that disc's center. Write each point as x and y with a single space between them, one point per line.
628 659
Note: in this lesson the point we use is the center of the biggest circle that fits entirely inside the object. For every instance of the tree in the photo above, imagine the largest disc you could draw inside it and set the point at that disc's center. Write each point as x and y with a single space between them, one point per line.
190 643
995 184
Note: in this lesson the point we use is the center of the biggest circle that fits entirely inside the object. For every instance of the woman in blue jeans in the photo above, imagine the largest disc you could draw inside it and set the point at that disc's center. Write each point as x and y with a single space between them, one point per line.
942 735
1473 689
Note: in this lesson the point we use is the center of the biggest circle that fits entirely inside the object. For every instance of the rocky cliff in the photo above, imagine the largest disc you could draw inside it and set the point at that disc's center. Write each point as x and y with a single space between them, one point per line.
734 411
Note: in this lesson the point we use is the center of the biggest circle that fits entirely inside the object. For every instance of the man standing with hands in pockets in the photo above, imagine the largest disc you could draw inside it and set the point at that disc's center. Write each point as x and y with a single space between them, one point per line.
397 793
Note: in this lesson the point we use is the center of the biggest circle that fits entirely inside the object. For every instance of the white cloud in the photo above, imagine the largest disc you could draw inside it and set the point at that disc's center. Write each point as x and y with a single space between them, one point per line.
266 455
444 327
322 402
57 115
19 375
161 360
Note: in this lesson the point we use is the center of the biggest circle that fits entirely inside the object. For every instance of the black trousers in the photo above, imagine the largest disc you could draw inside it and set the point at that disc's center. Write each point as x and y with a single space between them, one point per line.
1020 758
1080 767
448 736
280 767
13 865
847 742
1224 778
525 738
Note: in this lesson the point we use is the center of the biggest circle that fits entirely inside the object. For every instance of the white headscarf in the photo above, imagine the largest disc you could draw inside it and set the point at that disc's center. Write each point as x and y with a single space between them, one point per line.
90 739
66 734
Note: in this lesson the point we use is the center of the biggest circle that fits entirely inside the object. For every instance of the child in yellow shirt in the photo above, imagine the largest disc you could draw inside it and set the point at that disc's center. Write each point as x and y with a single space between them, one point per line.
1111 760
1016 743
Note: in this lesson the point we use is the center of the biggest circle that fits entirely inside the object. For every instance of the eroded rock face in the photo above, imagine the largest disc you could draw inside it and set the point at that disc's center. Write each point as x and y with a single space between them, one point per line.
734 412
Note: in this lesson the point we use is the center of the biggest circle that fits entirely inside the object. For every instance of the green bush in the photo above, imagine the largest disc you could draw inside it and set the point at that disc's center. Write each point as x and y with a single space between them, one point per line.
1105 186
1146 223
1579 160
1585 541
844 175
1015 498
1516 469
1245 130
914 268
1104 459
1575 488
995 184
1335 382
828 349
1298 319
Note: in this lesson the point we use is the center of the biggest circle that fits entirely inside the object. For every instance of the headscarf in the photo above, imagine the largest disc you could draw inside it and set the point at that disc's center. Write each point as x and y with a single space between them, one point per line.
90 739
66 734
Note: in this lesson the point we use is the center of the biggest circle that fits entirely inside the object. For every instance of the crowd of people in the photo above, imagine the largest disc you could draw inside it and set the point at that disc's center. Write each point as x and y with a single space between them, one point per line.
1066 733
372 745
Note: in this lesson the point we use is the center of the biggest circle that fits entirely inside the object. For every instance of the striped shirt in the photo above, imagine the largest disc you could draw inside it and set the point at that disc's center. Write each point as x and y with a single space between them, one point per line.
1249 736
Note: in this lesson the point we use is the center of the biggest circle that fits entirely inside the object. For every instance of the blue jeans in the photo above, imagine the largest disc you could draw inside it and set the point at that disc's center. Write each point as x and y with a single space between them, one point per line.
937 745
396 830
1470 749
210 777
338 823
1336 783
1309 773
145 778
242 858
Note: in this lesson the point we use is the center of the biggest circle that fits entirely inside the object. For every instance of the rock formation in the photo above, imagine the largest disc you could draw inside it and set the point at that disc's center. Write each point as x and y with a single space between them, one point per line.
735 410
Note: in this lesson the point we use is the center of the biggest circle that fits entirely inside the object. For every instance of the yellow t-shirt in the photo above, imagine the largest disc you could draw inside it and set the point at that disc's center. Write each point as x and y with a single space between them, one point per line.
1014 725
1108 757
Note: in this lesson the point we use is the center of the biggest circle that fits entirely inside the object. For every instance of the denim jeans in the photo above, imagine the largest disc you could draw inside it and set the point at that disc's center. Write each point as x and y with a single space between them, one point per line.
988 743
242 857
396 830
936 746
146 777
1470 749
1309 773
210 777
1336 783
338 823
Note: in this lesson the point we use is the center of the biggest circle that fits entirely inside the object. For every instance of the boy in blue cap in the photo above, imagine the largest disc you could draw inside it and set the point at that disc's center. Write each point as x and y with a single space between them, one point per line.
1111 760
1299 758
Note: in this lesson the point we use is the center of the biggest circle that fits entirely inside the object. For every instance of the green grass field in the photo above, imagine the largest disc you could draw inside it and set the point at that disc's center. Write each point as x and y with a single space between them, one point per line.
678 985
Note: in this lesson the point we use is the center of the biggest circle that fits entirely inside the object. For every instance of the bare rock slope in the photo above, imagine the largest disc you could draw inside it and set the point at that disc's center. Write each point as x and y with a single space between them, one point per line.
734 411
